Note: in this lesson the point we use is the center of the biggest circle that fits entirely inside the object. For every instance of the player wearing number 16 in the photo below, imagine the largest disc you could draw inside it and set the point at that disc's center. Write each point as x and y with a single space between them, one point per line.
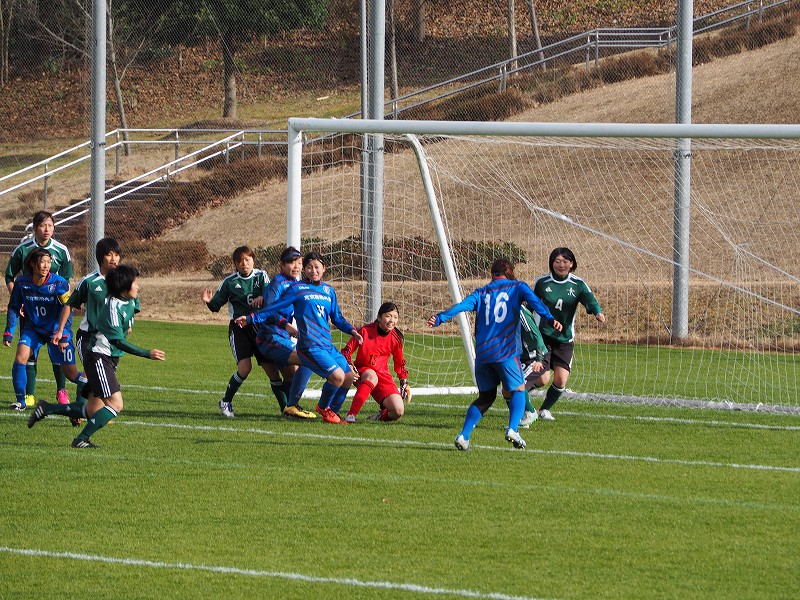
497 346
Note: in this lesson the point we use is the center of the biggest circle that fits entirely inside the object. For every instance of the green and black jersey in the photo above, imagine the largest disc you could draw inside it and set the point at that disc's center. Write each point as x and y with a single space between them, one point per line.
533 346
238 292
61 261
114 322
91 293
562 298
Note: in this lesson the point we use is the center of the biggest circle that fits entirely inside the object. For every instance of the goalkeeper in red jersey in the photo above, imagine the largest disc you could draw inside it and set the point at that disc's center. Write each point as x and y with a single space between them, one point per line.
381 340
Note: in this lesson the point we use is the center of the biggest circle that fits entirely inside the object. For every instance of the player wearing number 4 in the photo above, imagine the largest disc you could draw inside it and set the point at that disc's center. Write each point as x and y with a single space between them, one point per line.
562 292
497 346
315 303
382 339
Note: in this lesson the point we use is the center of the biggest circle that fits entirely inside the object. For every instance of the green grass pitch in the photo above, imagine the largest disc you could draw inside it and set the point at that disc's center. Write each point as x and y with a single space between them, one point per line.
609 501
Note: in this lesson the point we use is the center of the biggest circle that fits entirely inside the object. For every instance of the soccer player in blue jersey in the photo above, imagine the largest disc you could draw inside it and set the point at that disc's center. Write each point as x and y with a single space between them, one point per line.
275 339
315 303
40 294
497 308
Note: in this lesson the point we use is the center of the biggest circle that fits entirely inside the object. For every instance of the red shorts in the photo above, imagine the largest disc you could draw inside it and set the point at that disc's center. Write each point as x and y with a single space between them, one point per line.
383 389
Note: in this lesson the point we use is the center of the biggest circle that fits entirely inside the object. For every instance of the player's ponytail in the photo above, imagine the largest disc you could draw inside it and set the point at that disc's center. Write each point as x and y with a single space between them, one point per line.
503 267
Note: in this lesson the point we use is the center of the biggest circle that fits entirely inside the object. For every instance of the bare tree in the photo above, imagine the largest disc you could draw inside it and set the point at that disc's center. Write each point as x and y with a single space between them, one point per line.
512 33
394 87
418 10
6 19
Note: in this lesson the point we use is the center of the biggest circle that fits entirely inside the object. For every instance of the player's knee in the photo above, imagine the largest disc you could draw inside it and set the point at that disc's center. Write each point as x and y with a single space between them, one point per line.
369 375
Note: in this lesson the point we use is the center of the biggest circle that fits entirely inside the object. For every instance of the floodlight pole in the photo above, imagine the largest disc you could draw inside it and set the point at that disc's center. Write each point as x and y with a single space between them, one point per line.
683 171
97 205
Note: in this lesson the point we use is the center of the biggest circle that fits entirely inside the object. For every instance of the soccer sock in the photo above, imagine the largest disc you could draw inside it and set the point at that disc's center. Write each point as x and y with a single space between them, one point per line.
98 420
339 396
280 392
471 420
516 408
234 384
552 396
61 379
299 383
19 378
328 392
30 386
363 390
80 382
528 404
73 409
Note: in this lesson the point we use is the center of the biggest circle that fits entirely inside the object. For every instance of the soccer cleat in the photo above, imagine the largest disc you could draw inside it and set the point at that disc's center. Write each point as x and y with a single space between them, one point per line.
298 412
226 408
75 421
20 406
462 443
545 415
515 439
331 417
39 413
83 443
350 418
528 418
62 396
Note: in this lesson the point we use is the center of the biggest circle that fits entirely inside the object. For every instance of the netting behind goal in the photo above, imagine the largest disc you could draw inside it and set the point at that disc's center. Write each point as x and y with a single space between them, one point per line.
611 201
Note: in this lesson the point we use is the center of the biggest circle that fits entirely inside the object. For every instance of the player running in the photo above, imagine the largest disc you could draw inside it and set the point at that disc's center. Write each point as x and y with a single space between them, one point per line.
382 339
497 346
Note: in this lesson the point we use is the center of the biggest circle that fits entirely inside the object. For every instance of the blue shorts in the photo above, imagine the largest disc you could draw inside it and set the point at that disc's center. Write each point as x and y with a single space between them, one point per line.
35 340
507 372
323 361
276 348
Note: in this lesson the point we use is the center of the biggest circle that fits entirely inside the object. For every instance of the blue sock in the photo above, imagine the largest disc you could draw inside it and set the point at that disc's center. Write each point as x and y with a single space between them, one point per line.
19 378
338 398
299 383
471 420
516 408
328 392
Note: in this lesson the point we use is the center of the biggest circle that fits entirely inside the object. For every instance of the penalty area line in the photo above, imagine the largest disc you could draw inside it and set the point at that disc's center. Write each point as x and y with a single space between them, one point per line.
348 581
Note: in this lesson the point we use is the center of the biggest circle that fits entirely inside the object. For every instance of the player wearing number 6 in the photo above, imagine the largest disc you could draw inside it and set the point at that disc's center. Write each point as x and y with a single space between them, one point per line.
497 346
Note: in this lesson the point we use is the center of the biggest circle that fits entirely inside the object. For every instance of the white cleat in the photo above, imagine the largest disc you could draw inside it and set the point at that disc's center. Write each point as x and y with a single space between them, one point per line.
545 415
528 418
461 443
515 439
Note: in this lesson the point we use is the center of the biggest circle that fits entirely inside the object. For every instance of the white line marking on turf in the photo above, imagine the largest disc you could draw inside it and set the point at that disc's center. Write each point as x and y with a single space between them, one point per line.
154 564
349 439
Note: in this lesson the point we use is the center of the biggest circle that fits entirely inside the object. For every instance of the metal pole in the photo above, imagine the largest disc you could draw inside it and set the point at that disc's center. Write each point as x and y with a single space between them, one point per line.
373 233
295 195
683 157
98 184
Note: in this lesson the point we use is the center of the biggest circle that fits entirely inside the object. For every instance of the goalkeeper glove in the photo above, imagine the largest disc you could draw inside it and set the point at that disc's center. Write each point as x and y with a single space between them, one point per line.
405 391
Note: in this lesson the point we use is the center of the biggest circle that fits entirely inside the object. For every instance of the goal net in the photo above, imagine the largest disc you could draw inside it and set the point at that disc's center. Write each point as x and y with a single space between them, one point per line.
609 199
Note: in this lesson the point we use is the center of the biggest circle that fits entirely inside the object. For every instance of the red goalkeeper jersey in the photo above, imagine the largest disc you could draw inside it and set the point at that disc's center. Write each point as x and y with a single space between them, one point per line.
375 351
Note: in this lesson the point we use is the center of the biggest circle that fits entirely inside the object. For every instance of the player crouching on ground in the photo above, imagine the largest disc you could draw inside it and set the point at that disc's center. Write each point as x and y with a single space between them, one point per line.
381 340
106 346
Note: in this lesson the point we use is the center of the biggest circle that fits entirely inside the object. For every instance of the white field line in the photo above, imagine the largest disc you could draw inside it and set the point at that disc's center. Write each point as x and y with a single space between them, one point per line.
347 581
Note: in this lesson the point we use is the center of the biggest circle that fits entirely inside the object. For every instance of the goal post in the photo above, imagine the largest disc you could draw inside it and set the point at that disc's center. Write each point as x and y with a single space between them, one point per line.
604 190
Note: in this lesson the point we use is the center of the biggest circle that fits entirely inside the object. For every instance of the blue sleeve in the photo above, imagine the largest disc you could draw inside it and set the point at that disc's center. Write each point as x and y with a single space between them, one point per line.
273 292
12 313
535 304
262 316
468 304
337 318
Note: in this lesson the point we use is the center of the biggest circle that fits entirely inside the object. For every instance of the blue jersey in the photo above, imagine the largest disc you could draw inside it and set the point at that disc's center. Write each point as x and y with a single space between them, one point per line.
279 284
42 304
313 304
497 325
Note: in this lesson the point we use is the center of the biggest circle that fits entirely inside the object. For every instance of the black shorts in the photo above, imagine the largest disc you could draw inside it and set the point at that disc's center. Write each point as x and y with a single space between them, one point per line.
101 371
559 354
243 343
82 344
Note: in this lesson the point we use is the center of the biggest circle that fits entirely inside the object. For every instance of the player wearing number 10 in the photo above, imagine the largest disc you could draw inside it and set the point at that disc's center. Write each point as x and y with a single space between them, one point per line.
497 345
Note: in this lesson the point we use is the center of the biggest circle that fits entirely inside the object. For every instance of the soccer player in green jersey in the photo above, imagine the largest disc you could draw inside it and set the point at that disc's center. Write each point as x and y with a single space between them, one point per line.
243 291
106 346
61 264
91 294
561 291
